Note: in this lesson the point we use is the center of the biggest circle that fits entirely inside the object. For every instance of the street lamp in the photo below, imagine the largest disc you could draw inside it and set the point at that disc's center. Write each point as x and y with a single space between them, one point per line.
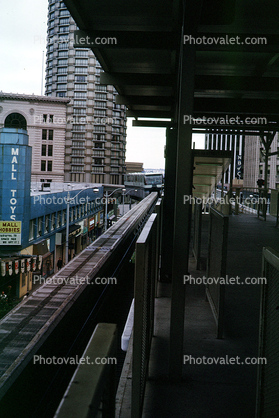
124 194
95 190
106 206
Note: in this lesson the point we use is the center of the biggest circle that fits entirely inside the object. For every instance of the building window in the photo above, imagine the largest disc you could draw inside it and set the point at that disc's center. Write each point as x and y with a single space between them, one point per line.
80 86
76 160
64 21
49 166
99 137
101 96
61 78
81 53
49 150
63 29
62 62
78 168
31 229
62 54
80 95
62 46
62 86
80 78
78 144
47 134
80 61
46 224
100 104
43 165
40 227
98 161
97 169
80 103
44 150
81 70
78 152
58 219
99 128
62 70
98 145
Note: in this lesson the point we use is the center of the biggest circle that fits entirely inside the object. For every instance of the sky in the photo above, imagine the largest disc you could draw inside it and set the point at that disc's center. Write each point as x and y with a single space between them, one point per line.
23 28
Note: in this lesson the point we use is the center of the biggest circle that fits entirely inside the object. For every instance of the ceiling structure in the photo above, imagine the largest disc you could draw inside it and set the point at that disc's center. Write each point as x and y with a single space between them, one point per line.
237 59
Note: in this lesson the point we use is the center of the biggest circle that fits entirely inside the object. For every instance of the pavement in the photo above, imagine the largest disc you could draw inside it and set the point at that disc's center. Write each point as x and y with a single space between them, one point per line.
212 390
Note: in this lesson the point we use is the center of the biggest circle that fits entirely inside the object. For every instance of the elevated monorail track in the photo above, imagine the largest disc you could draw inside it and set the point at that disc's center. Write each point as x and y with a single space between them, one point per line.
28 325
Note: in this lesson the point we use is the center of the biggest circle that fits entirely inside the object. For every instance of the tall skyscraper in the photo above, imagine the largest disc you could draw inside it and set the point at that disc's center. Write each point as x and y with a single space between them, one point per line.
96 126
228 141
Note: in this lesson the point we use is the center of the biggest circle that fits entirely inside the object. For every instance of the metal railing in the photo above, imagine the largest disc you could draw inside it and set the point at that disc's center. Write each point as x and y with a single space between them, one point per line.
216 265
274 204
251 200
92 389
268 372
197 233
158 211
145 278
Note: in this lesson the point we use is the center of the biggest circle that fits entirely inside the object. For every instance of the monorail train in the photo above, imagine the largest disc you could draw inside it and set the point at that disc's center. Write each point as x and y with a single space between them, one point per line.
141 184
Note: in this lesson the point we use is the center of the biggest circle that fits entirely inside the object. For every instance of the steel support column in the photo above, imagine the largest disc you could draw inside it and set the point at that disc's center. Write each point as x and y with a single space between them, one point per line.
168 205
182 213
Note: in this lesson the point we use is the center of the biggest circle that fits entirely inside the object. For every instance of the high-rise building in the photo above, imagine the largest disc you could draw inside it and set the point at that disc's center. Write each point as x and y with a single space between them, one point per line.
255 161
228 141
96 126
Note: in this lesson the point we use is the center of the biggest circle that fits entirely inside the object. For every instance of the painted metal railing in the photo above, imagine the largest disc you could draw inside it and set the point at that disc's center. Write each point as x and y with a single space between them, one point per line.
268 366
145 278
92 389
216 265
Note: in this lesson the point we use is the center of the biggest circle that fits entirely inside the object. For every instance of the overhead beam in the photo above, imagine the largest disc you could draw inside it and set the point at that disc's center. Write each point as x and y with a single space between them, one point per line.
136 79
105 39
229 106
144 100
153 123
202 82
163 114
239 83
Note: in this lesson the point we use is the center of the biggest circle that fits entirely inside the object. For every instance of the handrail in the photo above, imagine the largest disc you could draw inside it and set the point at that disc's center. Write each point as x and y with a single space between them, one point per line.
94 380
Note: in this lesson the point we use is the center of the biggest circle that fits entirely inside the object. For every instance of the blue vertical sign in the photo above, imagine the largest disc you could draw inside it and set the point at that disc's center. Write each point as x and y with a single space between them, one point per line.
15 180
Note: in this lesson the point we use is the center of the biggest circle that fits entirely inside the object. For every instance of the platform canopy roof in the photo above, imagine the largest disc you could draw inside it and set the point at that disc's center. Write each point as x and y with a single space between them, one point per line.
237 57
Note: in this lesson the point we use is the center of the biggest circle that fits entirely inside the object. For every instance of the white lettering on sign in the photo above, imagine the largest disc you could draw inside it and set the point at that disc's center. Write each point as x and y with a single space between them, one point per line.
13 199
14 162
13 202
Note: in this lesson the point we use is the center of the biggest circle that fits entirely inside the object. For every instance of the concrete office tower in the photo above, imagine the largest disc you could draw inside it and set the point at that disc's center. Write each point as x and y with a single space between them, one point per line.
96 126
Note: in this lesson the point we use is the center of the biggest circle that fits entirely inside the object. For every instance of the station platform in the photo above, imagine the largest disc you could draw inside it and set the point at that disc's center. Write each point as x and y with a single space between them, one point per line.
210 390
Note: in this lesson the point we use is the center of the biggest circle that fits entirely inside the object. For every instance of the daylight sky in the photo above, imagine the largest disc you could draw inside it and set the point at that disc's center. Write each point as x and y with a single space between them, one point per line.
22 50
